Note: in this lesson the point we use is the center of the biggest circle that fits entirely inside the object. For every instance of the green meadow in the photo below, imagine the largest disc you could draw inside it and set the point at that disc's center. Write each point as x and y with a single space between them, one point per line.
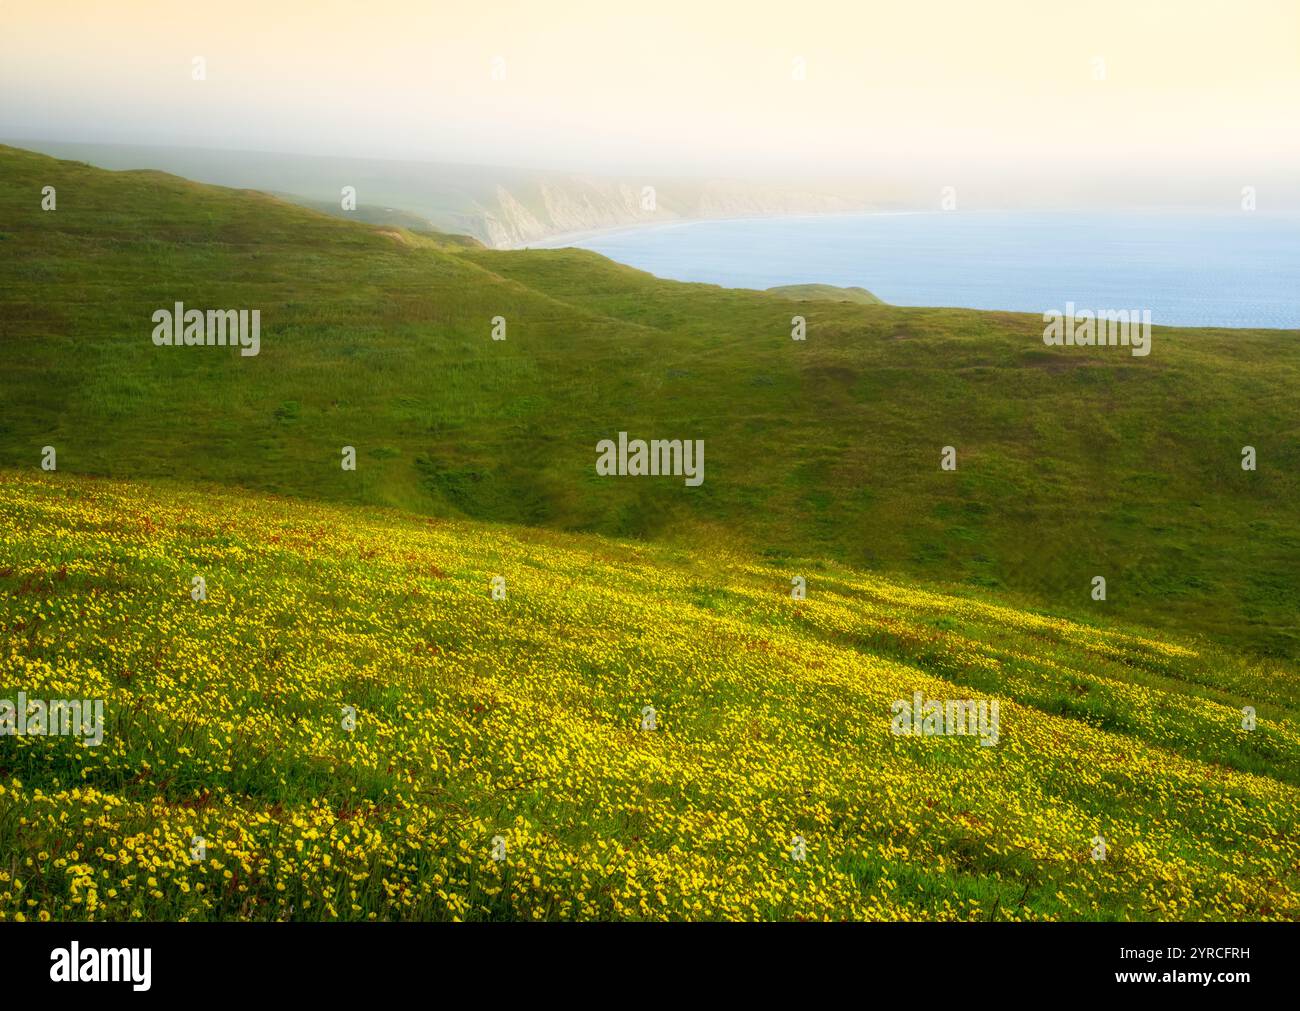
1071 462
317 706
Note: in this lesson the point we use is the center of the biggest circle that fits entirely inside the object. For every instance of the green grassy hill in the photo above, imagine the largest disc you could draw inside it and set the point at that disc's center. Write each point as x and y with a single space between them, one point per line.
1072 463
349 723
824 293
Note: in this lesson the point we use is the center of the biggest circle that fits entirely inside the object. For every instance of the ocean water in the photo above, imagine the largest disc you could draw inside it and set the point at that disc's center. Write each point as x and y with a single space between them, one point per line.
1190 269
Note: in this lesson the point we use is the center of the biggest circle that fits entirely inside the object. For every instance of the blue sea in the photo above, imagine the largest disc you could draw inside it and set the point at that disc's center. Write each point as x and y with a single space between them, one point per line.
1190 269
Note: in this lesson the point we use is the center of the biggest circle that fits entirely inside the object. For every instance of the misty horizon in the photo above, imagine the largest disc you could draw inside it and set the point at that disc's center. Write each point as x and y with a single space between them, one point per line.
1041 100
916 189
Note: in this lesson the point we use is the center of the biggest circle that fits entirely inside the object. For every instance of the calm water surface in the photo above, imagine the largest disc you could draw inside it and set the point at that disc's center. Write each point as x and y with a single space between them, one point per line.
1191 269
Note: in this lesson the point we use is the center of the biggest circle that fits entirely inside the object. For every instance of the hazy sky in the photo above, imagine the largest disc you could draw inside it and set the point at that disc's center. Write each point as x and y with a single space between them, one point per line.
1189 88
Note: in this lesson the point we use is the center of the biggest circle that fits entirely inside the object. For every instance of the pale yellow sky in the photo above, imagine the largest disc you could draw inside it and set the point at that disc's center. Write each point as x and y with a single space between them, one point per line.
701 86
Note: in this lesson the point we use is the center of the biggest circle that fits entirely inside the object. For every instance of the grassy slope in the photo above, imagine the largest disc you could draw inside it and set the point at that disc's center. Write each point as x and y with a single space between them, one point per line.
520 718
1072 462
824 293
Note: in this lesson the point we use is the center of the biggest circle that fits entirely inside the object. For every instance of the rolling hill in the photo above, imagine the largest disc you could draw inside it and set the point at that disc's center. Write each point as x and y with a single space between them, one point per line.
473 679
1071 462
824 293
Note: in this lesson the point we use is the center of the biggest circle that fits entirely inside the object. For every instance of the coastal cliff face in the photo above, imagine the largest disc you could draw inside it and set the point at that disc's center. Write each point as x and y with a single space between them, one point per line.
540 210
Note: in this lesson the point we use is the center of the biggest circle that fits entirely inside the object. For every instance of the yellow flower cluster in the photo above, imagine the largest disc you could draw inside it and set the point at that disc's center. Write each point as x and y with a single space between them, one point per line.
347 725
